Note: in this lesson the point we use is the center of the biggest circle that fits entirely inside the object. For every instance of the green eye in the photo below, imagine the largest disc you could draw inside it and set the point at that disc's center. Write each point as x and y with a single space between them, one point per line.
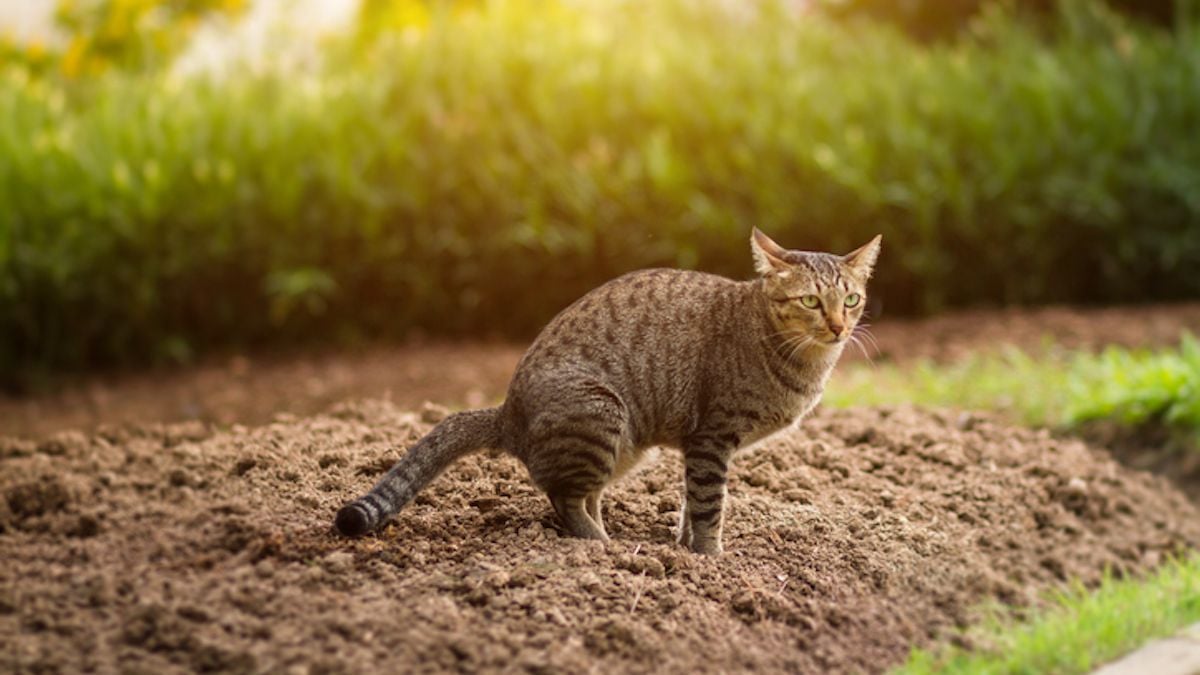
810 301
853 299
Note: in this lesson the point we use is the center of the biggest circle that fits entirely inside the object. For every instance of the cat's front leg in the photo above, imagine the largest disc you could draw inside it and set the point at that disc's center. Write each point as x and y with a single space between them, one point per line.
706 465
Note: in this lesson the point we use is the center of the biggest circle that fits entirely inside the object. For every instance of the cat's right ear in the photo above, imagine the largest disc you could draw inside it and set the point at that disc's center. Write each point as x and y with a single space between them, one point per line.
769 257
862 259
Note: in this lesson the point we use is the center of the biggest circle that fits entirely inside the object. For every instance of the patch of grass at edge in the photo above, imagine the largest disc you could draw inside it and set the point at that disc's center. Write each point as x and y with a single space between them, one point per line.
1053 387
1079 631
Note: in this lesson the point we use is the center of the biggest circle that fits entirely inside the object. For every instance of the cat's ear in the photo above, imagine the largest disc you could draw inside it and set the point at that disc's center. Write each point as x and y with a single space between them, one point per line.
862 259
769 257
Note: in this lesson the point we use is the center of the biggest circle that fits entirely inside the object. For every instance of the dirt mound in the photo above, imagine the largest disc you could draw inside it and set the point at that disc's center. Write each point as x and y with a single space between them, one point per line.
178 548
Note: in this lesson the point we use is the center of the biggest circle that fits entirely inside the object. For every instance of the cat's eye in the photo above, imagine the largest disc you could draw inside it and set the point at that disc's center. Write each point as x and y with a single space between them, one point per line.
810 301
853 299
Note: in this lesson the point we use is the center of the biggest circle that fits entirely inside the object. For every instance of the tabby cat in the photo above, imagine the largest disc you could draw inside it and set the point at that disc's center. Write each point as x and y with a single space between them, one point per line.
656 357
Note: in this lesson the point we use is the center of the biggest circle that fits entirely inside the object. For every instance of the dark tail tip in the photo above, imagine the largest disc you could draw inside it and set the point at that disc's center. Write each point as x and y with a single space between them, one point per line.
352 521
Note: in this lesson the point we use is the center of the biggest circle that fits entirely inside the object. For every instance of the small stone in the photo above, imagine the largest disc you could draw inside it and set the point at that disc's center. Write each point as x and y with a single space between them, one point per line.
1077 486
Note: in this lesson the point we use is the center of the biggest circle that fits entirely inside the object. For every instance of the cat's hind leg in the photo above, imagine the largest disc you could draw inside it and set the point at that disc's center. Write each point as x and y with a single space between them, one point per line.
572 451
593 506
573 469
573 513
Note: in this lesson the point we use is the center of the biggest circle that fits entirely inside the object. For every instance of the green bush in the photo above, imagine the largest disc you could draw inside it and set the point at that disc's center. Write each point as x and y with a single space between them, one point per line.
1136 388
479 173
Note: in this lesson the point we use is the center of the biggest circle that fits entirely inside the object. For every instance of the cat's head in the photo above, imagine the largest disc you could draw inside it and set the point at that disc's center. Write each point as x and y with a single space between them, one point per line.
817 295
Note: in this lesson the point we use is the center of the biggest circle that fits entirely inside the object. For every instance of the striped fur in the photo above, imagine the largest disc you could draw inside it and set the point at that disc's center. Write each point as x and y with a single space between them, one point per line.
657 357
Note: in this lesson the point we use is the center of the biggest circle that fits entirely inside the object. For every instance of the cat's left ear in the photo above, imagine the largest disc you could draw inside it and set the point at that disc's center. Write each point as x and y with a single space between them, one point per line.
862 259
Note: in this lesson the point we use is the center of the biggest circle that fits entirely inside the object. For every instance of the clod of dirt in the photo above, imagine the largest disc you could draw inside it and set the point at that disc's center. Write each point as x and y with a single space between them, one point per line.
63 443
848 540
34 498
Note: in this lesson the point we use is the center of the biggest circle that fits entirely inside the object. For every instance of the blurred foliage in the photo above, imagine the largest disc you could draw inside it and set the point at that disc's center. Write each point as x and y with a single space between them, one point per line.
35 57
937 19
383 17
482 170
124 34
131 34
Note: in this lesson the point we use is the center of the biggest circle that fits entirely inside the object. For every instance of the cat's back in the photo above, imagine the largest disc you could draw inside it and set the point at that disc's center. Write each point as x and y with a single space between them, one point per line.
650 320
632 311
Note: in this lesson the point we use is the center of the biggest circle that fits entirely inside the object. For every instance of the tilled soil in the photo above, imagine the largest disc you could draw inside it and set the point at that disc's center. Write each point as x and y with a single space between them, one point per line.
863 532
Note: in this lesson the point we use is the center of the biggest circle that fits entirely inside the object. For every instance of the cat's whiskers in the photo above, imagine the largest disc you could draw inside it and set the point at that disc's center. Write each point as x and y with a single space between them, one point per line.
863 331
859 343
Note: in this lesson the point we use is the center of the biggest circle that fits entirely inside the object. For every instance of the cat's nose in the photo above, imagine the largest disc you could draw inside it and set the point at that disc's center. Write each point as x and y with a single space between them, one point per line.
837 329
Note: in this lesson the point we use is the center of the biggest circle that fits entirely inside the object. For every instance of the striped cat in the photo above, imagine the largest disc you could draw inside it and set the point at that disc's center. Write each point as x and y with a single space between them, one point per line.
657 357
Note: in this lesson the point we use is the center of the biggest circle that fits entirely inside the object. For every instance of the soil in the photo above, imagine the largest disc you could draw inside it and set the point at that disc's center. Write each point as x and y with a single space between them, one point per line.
184 547
250 389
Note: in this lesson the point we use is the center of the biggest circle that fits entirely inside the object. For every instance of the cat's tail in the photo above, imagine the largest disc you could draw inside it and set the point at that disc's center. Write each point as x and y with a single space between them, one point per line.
458 435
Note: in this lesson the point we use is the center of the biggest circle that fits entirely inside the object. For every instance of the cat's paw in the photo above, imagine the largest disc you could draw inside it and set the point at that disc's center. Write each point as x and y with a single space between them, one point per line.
710 546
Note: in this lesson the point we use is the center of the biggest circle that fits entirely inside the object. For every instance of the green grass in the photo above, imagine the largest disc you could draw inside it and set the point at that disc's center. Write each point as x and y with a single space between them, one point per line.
1054 388
1078 631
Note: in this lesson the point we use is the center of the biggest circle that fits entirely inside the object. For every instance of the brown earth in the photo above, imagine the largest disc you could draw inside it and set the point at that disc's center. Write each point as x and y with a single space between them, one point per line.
185 548
252 388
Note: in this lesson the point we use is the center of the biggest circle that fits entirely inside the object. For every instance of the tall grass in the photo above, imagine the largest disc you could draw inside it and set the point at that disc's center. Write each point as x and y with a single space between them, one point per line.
479 173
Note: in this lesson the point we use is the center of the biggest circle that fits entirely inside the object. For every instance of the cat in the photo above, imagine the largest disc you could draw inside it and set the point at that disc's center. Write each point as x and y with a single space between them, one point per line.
656 357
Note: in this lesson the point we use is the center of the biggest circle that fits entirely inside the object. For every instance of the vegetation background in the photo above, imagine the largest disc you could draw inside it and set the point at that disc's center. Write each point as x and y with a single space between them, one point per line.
471 167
